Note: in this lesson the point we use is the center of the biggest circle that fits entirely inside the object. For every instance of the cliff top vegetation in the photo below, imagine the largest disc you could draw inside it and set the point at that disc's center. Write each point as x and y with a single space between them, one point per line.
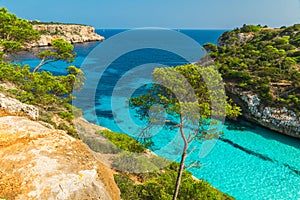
263 60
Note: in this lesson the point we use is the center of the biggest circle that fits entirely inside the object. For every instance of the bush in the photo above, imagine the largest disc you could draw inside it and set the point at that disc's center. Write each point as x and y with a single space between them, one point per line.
67 115
250 28
131 162
69 129
123 141
160 185
53 93
99 145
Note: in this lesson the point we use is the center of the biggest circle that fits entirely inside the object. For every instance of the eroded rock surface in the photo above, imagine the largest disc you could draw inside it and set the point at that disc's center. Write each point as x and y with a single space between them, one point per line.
14 106
41 163
70 33
282 120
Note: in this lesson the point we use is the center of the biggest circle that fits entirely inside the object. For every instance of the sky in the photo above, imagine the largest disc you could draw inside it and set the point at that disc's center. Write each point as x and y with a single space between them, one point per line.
188 14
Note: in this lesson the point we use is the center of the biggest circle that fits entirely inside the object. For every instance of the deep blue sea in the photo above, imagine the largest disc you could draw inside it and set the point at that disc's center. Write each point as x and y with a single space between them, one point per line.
249 162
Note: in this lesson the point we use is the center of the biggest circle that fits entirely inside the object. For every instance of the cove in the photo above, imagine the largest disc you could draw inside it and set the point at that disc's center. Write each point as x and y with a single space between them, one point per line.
247 162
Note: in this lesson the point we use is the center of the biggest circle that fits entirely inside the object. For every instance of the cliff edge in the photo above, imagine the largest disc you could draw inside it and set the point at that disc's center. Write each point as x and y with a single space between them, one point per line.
69 32
261 69
40 162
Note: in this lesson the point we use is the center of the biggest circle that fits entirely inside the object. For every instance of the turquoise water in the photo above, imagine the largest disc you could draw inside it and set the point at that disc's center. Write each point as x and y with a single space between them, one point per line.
254 163
247 162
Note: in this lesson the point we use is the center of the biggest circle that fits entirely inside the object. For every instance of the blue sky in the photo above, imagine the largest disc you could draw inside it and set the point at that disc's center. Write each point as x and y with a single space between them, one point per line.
196 14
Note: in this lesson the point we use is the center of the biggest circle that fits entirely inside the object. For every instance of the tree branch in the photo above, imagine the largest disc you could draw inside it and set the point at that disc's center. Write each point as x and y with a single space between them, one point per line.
42 63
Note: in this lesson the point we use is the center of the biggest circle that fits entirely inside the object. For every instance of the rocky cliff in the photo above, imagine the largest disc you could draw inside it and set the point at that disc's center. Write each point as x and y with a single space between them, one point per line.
279 119
40 162
68 32
261 69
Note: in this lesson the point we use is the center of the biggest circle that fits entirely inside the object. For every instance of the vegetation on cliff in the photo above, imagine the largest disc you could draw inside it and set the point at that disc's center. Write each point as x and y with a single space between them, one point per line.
36 22
151 182
263 60
159 185
50 93
61 50
14 32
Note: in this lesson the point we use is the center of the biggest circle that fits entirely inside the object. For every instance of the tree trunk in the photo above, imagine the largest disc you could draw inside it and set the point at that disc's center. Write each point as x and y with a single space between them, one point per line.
183 157
39 65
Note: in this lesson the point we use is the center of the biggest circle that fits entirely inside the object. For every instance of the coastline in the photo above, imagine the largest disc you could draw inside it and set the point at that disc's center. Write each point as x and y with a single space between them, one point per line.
71 33
280 120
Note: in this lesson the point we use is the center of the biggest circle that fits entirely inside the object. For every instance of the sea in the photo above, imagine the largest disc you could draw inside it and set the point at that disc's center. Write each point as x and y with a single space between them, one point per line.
248 162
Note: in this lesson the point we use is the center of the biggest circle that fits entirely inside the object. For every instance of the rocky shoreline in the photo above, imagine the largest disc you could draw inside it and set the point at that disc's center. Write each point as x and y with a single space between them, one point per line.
244 68
281 120
69 32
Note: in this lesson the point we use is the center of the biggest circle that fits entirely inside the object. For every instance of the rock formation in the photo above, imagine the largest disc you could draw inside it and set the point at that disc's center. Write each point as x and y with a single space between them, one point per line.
17 107
68 32
38 162
241 38
282 120
256 79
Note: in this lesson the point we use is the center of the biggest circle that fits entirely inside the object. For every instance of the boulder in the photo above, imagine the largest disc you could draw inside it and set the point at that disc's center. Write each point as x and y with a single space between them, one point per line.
14 106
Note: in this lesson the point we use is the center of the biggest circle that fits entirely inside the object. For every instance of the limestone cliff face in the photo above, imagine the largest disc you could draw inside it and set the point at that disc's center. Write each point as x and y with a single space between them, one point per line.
70 33
17 107
282 120
275 117
40 162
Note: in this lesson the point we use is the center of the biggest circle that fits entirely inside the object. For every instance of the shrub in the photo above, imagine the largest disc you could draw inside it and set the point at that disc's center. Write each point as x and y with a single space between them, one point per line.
250 28
123 141
160 185
100 146
69 129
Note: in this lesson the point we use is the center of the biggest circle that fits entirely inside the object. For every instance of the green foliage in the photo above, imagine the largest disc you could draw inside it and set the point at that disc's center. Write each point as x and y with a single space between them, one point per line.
66 115
271 56
53 23
126 186
53 93
14 32
210 47
69 129
250 28
129 162
193 85
76 77
282 40
158 185
11 46
47 117
43 32
123 141
100 146
61 50
40 88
